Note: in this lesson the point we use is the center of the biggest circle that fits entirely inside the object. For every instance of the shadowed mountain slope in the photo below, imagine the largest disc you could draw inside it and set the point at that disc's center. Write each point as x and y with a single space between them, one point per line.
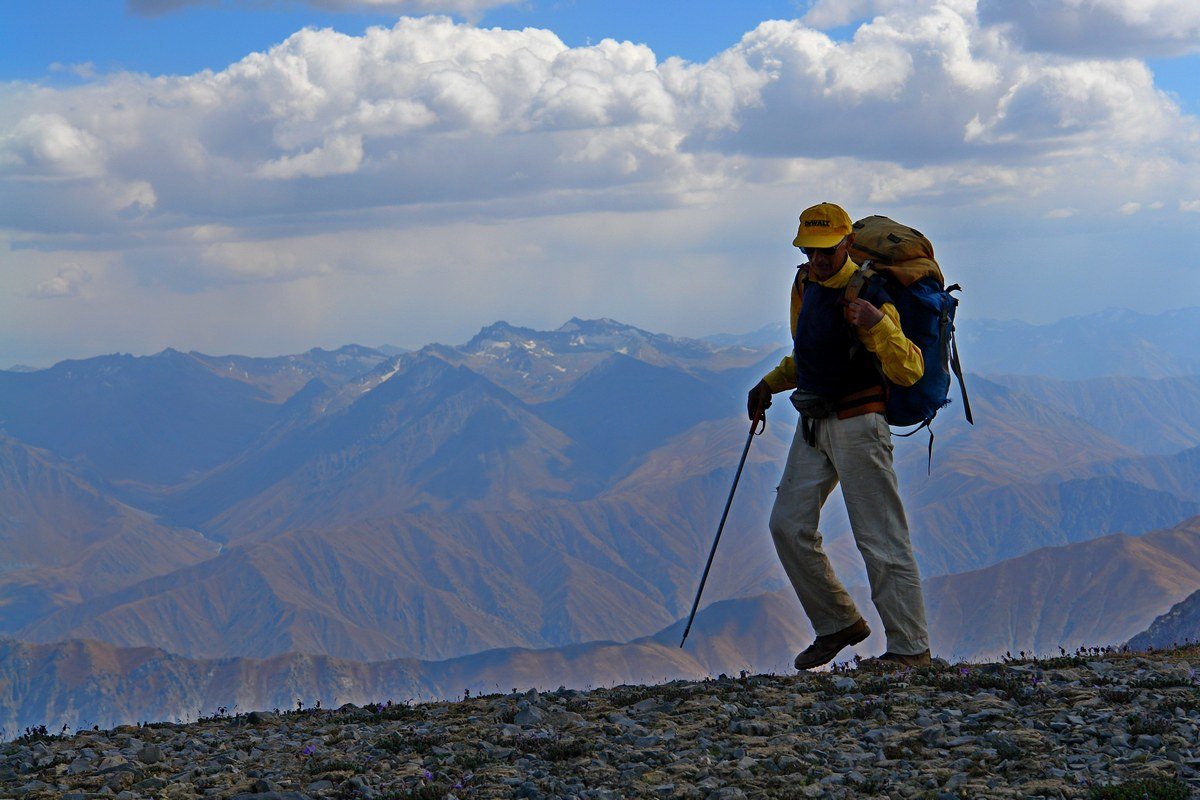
1156 417
1111 342
1180 624
1096 592
63 541
974 530
625 408
156 419
1178 473
440 585
430 437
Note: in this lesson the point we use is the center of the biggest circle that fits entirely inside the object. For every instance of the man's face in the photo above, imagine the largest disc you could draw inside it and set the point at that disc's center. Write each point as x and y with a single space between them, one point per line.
824 262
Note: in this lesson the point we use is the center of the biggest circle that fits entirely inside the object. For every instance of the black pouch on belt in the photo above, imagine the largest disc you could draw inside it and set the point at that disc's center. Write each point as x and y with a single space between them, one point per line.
812 407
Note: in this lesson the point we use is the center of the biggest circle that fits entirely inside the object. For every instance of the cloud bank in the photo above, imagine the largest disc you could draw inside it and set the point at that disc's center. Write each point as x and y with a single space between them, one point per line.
278 168
434 112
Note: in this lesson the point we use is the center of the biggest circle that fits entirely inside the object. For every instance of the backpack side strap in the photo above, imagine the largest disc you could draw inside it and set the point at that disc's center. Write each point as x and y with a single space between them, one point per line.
956 366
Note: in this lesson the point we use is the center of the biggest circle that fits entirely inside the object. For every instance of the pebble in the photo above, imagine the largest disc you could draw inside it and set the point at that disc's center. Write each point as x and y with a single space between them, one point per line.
1036 729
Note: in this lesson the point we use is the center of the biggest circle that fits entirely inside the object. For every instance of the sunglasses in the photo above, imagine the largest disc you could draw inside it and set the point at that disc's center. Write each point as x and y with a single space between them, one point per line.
828 252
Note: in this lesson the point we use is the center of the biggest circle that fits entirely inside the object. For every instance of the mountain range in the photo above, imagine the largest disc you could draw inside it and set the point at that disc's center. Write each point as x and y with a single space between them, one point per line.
507 509
1076 595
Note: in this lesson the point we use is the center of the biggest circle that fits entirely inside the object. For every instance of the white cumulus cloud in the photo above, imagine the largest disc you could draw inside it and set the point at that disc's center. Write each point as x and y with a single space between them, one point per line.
49 145
337 155
430 122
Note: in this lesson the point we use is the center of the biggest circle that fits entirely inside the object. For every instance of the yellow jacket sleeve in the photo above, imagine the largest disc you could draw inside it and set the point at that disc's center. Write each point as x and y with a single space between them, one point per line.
783 377
899 358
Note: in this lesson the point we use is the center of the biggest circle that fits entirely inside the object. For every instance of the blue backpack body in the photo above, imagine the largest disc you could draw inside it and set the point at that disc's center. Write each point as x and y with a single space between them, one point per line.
903 259
927 317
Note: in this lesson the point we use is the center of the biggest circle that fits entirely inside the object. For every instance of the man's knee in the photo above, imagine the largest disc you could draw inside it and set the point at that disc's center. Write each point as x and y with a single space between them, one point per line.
897 562
787 526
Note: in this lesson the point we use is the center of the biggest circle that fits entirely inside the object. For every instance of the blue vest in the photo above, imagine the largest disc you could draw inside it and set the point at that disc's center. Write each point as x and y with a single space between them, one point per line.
828 362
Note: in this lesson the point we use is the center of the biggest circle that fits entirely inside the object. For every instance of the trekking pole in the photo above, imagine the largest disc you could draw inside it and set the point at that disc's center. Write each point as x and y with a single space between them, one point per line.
755 430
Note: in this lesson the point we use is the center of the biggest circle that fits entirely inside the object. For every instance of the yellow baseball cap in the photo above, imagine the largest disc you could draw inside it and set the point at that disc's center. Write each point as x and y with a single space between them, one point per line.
823 225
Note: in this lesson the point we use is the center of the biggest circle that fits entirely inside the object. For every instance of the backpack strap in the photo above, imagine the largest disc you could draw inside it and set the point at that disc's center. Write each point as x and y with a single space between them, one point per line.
858 280
928 425
956 365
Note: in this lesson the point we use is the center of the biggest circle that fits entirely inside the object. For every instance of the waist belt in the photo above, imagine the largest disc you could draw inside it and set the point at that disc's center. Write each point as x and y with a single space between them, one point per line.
871 400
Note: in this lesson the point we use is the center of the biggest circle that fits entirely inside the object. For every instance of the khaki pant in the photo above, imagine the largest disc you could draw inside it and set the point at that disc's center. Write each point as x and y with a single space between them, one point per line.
858 452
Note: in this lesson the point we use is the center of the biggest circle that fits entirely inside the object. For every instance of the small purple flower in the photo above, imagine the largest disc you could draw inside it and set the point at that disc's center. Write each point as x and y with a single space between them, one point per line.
308 750
427 775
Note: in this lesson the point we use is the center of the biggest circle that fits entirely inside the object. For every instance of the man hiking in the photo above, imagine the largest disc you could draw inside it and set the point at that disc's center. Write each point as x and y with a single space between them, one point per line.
843 340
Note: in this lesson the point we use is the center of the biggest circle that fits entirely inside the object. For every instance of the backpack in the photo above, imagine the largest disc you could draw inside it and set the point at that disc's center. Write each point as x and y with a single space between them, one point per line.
903 257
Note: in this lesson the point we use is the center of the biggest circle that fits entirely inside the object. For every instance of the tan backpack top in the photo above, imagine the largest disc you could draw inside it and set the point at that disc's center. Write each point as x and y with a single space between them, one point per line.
894 249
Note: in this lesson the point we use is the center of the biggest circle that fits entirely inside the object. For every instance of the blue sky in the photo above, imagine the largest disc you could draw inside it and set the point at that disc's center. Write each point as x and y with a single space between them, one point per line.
206 175
204 36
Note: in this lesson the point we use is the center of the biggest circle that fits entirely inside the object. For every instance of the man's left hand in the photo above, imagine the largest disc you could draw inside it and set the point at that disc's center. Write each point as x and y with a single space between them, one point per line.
862 314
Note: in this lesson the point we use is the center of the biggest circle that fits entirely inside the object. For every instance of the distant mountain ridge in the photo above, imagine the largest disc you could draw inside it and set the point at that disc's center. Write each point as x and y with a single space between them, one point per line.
1114 342
538 489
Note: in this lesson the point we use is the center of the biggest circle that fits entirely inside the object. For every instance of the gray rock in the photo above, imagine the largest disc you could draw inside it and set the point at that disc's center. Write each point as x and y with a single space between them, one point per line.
646 706
150 754
110 763
530 716
121 780
750 727
727 793
79 766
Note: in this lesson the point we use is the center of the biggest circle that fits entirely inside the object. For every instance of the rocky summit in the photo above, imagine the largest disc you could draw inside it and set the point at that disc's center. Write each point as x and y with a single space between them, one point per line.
1093 723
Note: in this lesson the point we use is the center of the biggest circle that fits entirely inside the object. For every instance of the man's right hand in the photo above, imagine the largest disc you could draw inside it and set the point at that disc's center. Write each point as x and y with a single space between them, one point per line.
759 400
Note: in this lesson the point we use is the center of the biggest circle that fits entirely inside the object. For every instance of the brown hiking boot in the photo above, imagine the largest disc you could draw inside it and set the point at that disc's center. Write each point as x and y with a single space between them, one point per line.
893 661
824 648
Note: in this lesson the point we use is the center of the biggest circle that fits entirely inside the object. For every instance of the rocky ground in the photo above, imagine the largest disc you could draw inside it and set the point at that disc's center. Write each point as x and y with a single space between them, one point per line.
1090 724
